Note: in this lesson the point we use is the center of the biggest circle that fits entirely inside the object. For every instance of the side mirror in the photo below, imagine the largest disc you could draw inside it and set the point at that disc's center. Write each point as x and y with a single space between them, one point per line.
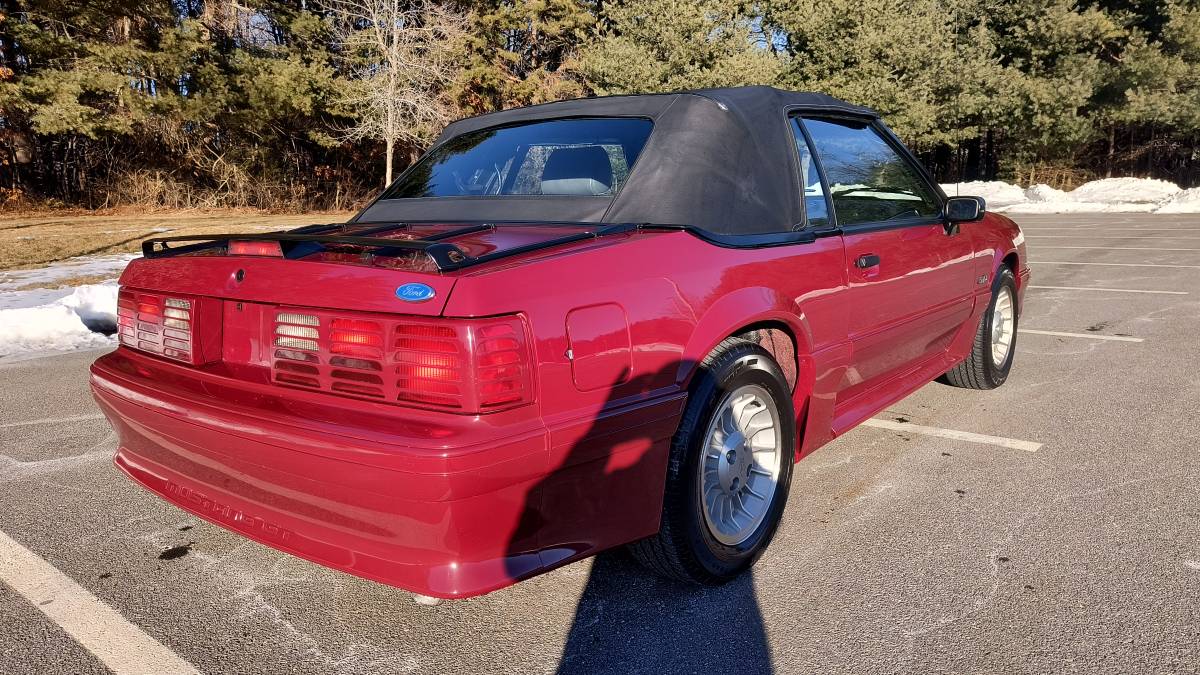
964 209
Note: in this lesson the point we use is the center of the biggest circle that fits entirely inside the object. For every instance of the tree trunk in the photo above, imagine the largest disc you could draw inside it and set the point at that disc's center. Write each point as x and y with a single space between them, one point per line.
1112 147
387 172
971 169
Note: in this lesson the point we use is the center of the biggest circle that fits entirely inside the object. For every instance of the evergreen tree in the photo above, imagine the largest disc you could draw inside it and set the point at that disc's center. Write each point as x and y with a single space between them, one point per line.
521 52
216 102
667 45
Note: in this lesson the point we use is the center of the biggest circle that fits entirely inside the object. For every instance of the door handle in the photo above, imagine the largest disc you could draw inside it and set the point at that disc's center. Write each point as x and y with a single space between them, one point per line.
866 260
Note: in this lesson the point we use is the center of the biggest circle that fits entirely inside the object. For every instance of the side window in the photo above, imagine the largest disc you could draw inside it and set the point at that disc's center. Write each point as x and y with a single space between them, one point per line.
816 202
869 181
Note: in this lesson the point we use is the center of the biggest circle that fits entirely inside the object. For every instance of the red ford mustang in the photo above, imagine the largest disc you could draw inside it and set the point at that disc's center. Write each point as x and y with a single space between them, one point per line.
565 328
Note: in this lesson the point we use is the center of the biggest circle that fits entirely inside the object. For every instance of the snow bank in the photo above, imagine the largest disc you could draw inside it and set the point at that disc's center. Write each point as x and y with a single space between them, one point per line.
997 193
1184 201
65 324
1124 195
1124 191
1041 193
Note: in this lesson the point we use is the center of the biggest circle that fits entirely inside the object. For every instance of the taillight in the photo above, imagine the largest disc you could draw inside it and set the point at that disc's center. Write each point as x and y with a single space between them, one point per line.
179 328
460 365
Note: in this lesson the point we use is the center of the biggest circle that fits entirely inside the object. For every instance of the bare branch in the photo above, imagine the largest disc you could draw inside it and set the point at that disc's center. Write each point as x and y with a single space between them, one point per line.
401 57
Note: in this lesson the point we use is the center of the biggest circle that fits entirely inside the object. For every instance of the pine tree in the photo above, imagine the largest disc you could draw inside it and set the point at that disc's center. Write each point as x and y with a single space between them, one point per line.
521 52
667 45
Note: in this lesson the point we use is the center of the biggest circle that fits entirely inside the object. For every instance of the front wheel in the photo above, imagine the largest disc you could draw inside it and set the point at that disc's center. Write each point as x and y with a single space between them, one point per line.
729 470
992 353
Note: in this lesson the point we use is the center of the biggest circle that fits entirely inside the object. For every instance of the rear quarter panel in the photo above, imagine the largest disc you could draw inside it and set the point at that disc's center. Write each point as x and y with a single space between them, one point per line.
679 297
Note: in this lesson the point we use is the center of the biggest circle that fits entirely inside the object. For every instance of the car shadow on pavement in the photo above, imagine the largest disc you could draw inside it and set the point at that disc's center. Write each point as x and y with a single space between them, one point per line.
629 620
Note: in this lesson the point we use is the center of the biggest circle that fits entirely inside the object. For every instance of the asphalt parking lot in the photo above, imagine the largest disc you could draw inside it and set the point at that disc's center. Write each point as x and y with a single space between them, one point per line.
901 550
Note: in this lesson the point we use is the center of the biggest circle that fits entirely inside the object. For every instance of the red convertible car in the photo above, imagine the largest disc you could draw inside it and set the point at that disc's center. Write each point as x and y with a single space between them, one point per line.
566 328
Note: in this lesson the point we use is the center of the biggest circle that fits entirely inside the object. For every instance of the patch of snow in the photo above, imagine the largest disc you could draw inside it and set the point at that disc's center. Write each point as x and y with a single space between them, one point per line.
1184 201
72 267
32 297
67 323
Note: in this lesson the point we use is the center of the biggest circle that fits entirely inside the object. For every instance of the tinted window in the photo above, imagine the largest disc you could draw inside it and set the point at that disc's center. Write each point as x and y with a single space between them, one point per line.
590 157
816 202
868 180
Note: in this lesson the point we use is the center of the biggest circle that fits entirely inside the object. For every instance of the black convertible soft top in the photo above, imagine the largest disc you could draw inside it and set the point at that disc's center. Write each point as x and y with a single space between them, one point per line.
721 160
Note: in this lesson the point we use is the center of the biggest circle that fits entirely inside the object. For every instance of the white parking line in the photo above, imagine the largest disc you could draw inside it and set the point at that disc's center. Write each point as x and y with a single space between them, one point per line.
1090 336
1110 290
100 629
1121 248
908 427
52 420
1110 264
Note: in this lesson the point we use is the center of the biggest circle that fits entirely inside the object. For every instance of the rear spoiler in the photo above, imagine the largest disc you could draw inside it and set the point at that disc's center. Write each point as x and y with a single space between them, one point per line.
446 256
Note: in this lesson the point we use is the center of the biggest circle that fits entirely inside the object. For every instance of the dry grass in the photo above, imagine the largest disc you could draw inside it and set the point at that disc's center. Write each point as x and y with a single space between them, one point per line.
36 239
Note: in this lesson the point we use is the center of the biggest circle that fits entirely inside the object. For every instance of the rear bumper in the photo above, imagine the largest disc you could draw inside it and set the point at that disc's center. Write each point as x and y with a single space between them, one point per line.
441 521
445 505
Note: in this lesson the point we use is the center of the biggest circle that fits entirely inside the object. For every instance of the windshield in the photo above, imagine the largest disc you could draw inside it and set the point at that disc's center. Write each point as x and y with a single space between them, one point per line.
581 157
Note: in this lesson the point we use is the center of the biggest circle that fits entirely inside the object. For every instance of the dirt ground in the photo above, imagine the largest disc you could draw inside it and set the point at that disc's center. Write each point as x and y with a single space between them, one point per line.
36 239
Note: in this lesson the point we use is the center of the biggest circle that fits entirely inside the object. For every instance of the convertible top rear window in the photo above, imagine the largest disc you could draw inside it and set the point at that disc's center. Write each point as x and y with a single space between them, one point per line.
561 157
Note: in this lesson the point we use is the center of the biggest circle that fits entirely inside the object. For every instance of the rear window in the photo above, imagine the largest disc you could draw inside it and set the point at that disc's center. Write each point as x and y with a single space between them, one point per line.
579 157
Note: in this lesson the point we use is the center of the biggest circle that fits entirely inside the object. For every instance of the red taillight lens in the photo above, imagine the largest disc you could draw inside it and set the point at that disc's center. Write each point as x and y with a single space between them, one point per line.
502 364
353 337
460 365
476 365
168 325
429 365
260 248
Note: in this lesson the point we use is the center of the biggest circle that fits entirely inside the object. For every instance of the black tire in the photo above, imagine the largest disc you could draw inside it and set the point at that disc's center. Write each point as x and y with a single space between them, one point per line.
978 371
684 548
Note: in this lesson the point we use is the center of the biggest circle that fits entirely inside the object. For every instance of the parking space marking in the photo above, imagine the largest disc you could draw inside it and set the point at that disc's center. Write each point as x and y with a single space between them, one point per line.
53 420
1090 336
1112 264
100 629
952 434
1111 290
1122 248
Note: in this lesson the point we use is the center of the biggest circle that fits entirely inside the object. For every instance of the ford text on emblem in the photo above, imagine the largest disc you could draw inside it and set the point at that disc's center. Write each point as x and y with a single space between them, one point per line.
415 292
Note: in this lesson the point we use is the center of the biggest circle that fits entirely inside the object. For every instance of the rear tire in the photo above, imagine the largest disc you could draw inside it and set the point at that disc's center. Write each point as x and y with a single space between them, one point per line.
991 357
713 528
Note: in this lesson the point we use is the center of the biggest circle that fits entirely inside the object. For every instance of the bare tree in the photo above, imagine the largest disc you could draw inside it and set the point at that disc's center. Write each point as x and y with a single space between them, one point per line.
402 55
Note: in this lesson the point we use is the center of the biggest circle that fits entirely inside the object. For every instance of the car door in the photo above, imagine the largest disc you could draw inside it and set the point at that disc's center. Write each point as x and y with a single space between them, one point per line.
909 277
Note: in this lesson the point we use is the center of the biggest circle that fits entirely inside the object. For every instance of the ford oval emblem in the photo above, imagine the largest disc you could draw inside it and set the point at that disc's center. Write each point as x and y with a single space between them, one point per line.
415 292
